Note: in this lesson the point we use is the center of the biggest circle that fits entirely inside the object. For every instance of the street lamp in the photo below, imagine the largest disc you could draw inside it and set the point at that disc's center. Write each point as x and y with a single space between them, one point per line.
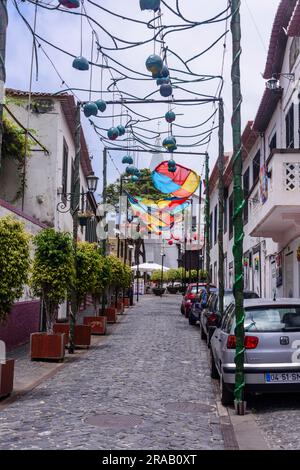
63 206
162 252
92 182
273 82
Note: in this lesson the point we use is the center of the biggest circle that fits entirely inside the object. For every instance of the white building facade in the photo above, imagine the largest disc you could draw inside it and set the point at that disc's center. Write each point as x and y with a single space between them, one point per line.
271 175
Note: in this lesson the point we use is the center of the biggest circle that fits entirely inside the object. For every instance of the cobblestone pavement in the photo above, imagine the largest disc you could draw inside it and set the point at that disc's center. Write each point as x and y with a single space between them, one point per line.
152 368
278 417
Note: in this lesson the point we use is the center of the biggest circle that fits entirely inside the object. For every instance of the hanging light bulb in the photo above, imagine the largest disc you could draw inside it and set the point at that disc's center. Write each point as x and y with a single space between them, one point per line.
90 109
127 159
121 130
101 105
154 64
69 3
81 63
170 116
166 90
113 133
150 5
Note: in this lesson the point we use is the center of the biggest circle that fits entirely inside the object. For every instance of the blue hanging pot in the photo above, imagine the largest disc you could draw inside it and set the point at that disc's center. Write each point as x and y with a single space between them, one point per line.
70 3
121 130
172 169
127 159
90 109
154 64
81 63
150 5
162 81
169 143
113 133
101 105
165 72
166 90
131 170
134 178
170 116
171 163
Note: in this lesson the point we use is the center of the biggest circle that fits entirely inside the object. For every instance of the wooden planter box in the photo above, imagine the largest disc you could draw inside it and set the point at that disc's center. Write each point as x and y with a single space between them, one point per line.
7 378
111 314
97 324
47 346
126 302
82 335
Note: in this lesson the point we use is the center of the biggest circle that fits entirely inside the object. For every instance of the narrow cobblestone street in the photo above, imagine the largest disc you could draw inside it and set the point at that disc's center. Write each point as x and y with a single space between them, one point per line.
151 370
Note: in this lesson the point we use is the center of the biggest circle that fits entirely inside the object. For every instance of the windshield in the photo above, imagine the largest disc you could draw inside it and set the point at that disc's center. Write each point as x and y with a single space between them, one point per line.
269 319
194 289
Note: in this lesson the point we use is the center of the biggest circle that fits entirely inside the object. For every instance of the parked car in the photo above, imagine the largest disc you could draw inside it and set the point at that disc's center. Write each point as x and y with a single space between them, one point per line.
272 355
190 296
210 316
199 305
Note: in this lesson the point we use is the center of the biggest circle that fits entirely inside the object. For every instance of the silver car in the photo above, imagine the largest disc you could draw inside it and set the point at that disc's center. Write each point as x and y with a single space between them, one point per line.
272 348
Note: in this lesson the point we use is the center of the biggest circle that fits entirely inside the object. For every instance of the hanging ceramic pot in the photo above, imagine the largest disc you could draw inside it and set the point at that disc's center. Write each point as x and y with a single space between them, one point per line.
121 130
162 81
171 163
90 109
101 105
165 72
134 178
170 242
127 159
170 116
154 64
169 143
131 170
166 90
113 133
69 3
81 63
172 170
150 5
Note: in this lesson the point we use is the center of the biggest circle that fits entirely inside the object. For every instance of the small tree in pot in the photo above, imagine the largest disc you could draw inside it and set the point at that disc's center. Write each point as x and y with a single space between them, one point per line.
52 276
14 268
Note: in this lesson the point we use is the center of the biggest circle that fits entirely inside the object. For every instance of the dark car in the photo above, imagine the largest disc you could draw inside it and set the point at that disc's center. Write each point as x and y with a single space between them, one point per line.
190 296
199 304
210 316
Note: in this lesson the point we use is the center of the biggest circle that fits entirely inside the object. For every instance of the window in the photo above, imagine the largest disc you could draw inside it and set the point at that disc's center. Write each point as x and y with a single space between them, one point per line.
231 216
256 167
246 187
210 229
273 142
289 128
225 214
64 181
215 224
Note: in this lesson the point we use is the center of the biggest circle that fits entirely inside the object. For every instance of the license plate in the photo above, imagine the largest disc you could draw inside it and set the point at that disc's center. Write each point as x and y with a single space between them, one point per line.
283 377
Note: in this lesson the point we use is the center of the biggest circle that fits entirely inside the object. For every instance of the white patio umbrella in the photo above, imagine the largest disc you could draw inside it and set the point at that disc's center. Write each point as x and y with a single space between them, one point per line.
148 267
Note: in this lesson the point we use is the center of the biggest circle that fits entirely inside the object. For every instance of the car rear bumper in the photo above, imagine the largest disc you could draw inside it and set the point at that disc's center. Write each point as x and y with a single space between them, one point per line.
255 379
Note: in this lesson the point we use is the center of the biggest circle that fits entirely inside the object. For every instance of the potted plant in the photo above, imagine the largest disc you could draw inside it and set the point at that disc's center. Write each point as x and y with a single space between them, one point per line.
157 276
117 271
14 268
98 322
172 276
52 275
83 217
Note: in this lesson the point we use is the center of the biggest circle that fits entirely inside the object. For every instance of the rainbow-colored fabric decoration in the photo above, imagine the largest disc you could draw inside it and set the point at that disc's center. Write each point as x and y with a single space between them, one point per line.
181 184
158 216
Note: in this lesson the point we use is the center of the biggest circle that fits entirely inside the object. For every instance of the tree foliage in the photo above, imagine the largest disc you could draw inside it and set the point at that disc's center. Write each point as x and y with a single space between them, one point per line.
156 276
14 262
53 271
89 271
143 188
120 274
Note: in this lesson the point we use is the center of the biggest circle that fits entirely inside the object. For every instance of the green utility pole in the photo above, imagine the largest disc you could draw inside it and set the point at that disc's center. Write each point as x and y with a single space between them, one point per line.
207 222
238 197
3 28
221 207
74 209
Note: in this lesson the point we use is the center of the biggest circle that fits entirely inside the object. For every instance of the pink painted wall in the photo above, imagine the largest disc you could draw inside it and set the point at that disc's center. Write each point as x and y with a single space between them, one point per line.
23 320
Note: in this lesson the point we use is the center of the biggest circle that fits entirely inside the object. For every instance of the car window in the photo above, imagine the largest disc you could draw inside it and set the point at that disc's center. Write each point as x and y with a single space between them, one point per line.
194 289
228 318
270 319
228 298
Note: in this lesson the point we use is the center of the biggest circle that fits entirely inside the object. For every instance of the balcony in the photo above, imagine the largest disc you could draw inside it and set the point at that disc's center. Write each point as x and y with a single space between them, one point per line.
279 216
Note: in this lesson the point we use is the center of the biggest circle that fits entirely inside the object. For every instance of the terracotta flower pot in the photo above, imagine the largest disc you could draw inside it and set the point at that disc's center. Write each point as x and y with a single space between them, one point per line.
126 302
47 346
7 378
97 324
111 314
82 336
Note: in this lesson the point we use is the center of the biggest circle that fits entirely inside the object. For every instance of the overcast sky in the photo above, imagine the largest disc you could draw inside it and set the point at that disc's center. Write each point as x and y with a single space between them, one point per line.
63 30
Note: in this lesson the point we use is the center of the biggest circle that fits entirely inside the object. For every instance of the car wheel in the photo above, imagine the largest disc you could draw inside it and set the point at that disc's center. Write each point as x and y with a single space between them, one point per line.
226 395
192 320
202 334
213 370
